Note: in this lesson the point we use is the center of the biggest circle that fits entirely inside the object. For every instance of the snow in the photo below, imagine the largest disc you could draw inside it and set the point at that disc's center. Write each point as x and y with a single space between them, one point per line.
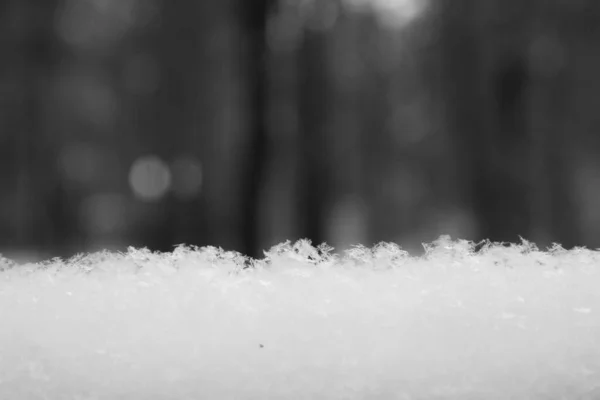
506 321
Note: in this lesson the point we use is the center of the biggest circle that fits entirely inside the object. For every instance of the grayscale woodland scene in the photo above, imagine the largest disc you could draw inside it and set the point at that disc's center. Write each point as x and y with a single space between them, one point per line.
244 123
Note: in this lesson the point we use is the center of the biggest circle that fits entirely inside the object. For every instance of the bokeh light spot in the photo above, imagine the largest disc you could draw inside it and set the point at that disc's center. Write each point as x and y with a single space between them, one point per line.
392 13
149 178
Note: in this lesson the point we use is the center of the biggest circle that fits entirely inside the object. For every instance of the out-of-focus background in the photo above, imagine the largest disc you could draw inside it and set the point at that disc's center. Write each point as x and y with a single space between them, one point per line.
243 123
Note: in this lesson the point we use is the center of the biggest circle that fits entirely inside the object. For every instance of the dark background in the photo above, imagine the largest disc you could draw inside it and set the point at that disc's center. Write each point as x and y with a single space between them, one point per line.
243 123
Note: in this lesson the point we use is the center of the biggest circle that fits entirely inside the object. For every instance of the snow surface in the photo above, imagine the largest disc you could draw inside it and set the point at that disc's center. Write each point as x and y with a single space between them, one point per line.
502 322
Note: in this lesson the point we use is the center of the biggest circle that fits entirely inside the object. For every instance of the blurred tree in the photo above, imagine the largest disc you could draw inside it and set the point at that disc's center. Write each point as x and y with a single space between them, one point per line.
315 140
254 17
196 112
175 117
388 218
356 130
495 109
35 215
459 75
550 55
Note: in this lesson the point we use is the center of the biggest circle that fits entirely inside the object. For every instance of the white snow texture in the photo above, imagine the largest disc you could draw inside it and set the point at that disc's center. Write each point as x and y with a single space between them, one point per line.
502 322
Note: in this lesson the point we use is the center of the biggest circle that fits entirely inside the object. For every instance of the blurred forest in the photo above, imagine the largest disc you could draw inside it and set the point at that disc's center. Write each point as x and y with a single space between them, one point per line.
243 123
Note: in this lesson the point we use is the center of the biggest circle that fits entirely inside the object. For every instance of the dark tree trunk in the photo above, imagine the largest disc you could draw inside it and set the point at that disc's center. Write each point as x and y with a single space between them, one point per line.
314 102
194 115
254 18
501 182
554 213
465 116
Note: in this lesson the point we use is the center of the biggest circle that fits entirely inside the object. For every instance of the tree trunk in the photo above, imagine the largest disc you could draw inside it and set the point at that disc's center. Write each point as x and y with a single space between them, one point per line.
254 18
314 103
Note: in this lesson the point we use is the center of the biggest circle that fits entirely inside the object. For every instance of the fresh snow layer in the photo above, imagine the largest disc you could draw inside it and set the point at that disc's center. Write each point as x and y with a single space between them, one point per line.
502 322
